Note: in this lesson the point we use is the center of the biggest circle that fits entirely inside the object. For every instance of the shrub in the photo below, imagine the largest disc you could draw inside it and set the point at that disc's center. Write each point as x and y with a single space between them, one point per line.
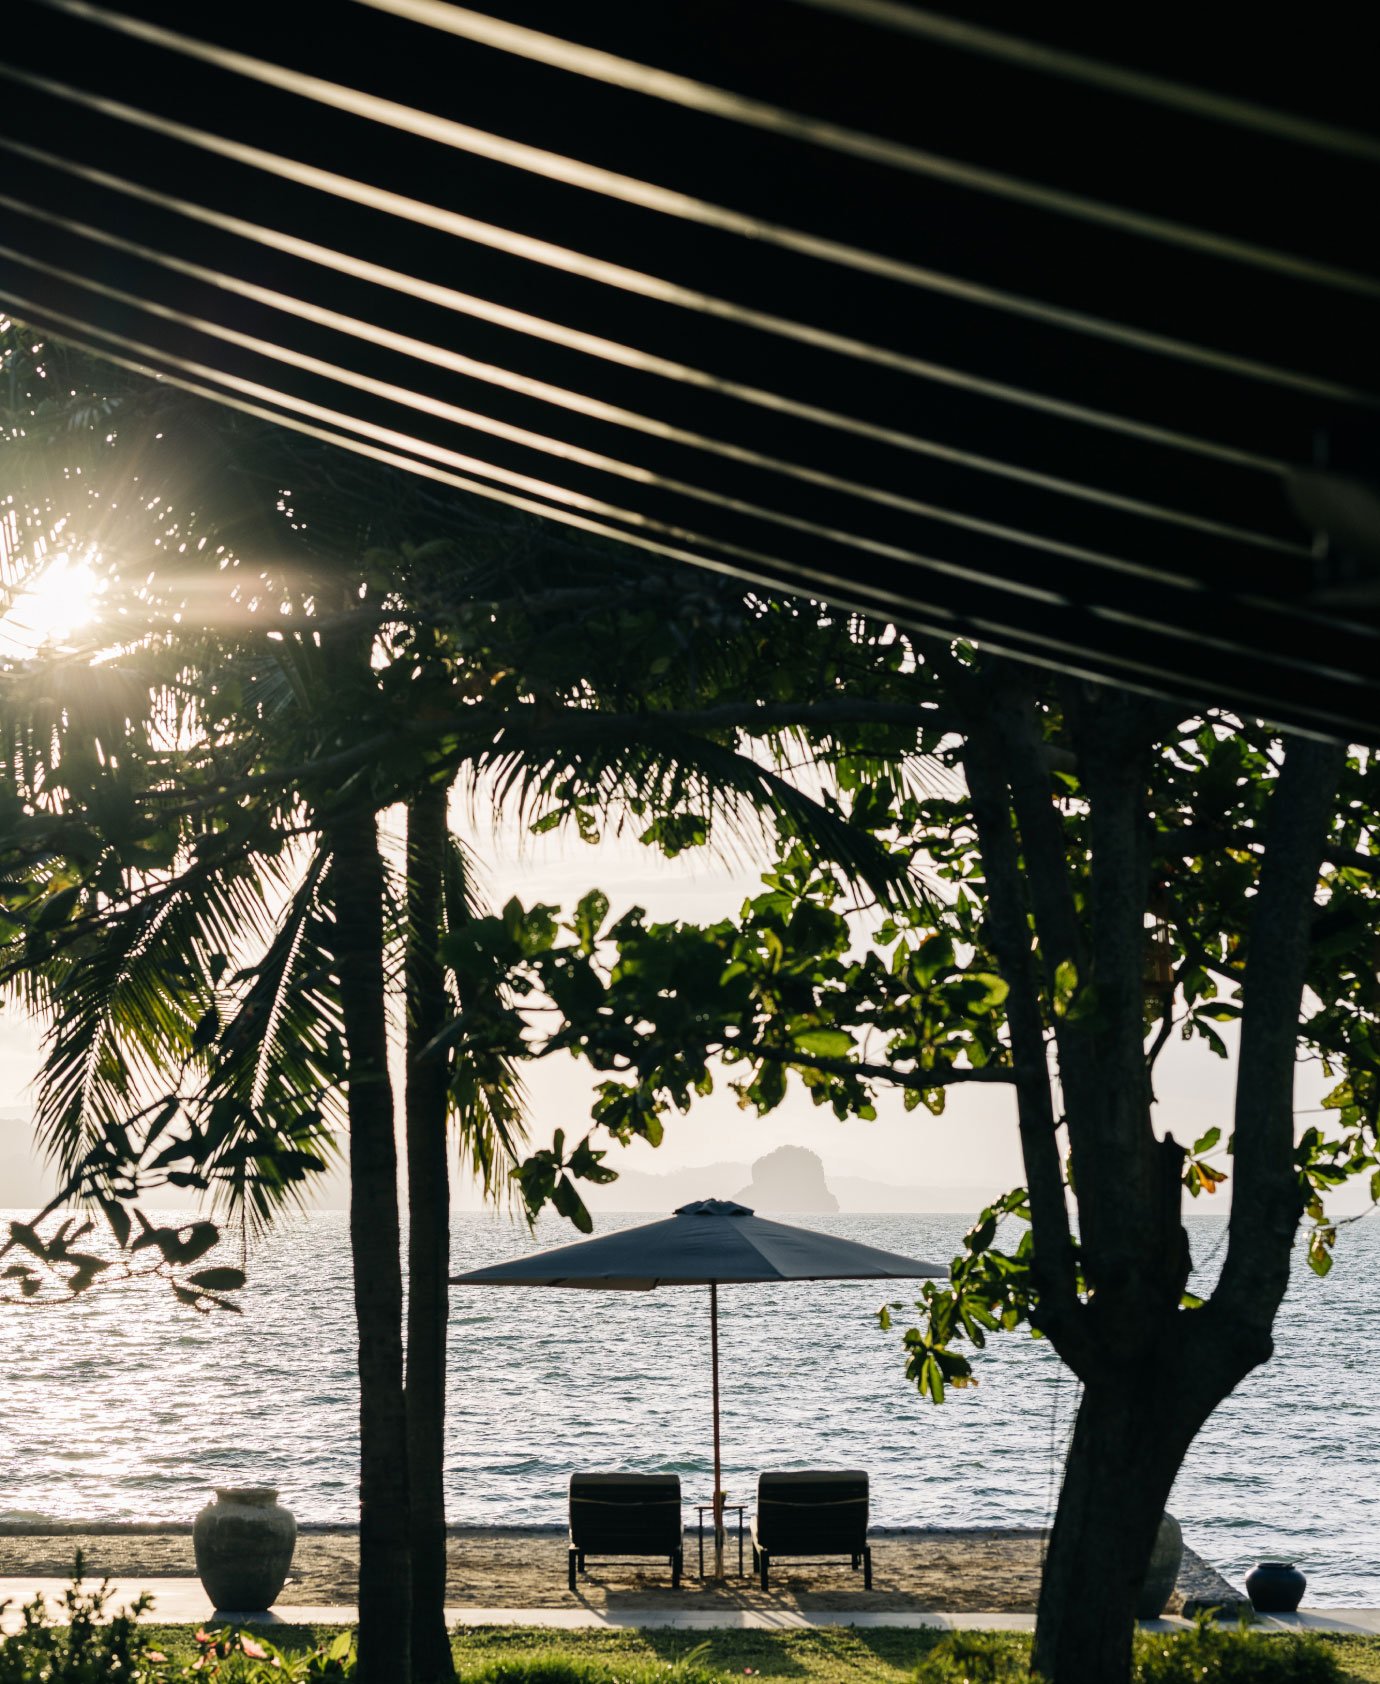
1205 1654
75 1643
84 1648
976 1657
237 1657
1212 1654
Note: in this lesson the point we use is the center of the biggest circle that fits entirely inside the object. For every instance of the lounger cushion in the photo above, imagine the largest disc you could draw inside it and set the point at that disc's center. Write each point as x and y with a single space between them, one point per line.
625 1514
812 1512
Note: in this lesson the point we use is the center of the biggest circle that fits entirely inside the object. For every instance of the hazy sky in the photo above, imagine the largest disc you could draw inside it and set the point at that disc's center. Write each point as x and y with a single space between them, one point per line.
973 1146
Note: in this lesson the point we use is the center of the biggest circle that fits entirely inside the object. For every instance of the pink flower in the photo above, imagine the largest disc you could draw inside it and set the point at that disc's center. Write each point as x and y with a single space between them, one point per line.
255 1651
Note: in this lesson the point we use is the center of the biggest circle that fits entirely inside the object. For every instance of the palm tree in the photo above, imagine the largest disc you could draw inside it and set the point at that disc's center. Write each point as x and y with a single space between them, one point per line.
496 654
479 1089
426 1107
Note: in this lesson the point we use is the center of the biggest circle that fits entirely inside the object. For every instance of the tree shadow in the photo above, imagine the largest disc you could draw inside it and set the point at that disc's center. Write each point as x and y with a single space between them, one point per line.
768 1653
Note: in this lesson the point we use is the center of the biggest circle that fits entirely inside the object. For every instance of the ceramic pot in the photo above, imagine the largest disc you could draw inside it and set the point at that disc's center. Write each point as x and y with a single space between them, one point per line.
1163 1572
244 1543
1275 1587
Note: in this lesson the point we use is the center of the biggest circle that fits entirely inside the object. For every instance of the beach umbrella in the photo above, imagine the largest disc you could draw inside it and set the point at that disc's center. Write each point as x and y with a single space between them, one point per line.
708 1243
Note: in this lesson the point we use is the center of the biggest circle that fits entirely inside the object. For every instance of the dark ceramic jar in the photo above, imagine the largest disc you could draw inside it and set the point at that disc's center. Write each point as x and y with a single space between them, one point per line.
1275 1587
244 1543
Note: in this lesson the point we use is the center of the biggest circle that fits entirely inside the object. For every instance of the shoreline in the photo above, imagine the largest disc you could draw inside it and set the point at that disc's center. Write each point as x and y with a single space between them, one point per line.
457 1529
966 1570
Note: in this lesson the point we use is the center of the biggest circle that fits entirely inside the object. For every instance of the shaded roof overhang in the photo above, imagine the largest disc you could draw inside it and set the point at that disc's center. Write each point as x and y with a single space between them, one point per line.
1025 339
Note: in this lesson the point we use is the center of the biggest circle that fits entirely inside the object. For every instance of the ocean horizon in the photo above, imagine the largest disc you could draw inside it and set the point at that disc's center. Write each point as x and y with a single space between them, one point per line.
121 1407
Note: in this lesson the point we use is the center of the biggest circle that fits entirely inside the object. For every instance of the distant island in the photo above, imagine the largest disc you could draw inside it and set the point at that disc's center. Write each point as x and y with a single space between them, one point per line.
804 1187
26 1182
790 1178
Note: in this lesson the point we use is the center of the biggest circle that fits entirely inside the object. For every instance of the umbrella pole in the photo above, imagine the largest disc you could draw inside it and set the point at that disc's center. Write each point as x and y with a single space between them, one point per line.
718 1481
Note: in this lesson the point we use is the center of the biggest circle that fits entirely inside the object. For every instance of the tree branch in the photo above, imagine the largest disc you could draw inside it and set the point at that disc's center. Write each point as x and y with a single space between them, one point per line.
1166 1028
1055 1267
1193 839
1015 737
918 1080
1267 1203
1130 1207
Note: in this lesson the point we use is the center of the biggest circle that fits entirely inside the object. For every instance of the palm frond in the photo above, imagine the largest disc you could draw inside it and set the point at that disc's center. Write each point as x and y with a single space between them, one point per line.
125 1005
596 765
273 1085
486 1091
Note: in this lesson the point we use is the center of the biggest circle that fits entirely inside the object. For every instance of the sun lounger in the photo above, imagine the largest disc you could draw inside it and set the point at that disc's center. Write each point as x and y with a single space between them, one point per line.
811 1513
618 1514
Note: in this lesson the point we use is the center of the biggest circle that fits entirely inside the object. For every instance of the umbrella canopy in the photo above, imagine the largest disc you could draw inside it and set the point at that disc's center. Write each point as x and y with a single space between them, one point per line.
705 1243
709 1242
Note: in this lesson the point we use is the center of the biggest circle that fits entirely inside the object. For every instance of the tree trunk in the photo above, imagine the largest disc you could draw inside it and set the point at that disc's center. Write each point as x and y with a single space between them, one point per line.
1152 1372
428 1237
384 1575
1128 1443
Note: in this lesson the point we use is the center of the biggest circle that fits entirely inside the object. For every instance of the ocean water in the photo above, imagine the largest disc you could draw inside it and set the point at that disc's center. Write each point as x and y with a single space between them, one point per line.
123 1407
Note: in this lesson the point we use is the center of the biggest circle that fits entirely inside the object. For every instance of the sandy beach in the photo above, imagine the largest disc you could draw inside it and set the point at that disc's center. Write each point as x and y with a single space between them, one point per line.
964 1571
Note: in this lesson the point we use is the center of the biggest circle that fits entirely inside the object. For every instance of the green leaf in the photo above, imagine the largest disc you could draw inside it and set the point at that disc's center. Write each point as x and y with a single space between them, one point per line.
590 913
978 1238
57 909
1065 986
825 1043
673 833
1206 1142
571 1206
1320 1243
997 987
587 1164
207 1029
1210 1035
935 954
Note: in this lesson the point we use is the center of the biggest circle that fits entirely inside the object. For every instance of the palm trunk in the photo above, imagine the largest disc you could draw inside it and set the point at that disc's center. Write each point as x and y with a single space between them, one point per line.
384 1575
428 1237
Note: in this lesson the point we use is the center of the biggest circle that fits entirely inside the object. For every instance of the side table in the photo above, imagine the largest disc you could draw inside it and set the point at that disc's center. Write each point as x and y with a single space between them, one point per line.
702 1509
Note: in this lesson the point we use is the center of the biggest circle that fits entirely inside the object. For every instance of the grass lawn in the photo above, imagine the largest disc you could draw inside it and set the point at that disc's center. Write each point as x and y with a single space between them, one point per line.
837 1655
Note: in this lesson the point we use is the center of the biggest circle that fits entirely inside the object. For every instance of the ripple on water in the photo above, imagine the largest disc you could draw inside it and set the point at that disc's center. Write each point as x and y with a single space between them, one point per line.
126 1409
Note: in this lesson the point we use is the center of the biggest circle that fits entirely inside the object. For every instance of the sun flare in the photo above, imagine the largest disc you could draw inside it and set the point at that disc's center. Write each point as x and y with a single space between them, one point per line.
61 600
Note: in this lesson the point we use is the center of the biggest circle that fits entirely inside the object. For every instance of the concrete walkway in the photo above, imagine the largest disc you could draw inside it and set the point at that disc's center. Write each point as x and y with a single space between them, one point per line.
184 1602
